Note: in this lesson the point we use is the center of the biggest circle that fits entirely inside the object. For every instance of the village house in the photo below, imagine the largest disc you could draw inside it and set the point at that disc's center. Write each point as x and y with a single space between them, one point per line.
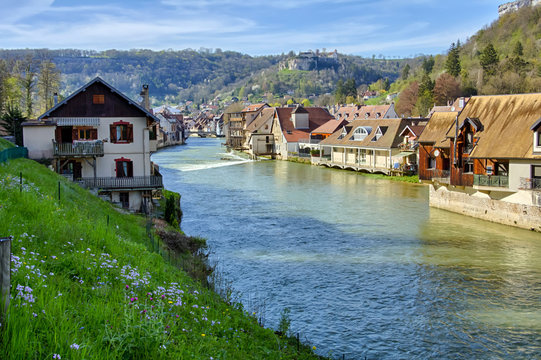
293 124
434 157
102 139
366 145
260 137
171 129
495 161
409 147
236 134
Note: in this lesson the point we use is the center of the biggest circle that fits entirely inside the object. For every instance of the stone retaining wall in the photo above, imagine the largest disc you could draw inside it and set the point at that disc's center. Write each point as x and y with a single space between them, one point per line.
481 206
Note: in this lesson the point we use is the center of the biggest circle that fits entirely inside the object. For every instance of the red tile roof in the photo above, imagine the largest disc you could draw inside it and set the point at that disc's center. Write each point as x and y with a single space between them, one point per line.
316 117
254 107
330 126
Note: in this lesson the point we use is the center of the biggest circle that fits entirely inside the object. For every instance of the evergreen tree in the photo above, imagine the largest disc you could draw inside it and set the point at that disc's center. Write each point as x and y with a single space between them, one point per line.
12 121
406 71
428 64
489 59
452 64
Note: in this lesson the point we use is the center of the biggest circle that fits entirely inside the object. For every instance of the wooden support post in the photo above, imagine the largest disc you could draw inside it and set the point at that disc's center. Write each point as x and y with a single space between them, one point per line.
5 272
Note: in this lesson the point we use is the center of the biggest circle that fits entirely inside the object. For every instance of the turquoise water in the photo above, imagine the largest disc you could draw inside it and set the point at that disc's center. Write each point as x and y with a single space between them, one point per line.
366 267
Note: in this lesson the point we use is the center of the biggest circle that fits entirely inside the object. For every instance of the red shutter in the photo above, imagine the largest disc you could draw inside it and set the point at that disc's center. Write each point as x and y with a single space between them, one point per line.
94 134
74 134
112 133
130 133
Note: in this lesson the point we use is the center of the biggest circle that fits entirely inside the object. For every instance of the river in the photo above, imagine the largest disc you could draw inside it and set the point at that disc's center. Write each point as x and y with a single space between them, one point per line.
366 267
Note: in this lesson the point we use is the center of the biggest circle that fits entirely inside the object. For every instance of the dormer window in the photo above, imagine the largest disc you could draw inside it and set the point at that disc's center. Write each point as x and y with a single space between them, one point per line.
361 133
343 134
378 115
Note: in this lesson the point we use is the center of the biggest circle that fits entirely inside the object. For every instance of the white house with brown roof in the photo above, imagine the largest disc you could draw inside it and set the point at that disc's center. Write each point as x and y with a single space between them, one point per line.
294 124
102 139
260 138
366 145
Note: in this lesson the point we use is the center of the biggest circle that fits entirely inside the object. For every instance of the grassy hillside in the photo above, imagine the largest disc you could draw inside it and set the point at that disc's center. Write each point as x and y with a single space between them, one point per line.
85 289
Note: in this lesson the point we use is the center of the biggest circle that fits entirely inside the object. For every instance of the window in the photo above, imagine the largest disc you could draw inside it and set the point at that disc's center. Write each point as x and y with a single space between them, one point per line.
121 132
87 134
98 99
468 167
536 172
343 134
267 139
363 155
468 141
361 132
431 163
124 167
537 135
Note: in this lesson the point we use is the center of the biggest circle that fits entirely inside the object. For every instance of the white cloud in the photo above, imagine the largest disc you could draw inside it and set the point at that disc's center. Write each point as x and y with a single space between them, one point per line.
15 10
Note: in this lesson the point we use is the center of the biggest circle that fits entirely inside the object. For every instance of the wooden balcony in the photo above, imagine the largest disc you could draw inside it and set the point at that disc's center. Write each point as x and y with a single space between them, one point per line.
123 183
78 149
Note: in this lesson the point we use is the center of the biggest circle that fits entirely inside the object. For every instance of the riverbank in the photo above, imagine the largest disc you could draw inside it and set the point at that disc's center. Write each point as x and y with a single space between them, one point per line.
88 283
414 179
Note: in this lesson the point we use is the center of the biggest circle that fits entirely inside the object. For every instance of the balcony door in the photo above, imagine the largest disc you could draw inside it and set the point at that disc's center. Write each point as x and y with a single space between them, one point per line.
124 167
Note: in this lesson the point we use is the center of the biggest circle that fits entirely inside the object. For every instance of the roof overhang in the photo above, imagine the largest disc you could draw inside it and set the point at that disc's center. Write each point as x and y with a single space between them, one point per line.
536 125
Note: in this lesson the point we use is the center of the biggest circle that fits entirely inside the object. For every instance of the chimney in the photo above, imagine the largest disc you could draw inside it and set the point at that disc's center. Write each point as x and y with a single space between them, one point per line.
55 98
144 94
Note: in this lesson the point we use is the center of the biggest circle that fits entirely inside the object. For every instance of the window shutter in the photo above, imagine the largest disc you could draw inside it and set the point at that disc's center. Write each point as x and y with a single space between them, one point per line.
130 133
58 134
112 133
130 168
94 134
74 134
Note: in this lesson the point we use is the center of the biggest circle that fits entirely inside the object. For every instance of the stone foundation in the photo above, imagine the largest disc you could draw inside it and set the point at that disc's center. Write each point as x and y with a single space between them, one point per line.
472 203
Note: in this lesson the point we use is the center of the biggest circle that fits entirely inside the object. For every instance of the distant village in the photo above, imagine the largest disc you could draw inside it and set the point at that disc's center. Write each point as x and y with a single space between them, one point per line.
480 156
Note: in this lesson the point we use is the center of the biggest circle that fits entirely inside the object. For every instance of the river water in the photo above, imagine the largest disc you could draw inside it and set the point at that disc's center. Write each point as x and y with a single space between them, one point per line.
366 267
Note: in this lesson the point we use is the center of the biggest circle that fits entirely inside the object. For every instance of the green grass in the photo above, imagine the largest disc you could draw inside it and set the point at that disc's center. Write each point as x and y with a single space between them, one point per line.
83 289
409 179
4 144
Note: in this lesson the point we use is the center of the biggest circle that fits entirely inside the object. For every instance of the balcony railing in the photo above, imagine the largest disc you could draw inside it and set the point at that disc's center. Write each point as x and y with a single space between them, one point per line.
135 182
80 148
408 146
491 181
530 184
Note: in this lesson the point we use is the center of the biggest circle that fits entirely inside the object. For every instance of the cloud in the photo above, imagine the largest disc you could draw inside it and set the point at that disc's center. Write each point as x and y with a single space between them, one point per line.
15 10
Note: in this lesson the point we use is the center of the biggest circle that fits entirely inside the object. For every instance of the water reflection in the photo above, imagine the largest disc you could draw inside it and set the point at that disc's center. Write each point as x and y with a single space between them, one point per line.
365 266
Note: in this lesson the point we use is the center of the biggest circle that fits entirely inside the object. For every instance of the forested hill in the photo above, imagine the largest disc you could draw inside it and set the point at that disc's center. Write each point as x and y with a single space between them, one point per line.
201 75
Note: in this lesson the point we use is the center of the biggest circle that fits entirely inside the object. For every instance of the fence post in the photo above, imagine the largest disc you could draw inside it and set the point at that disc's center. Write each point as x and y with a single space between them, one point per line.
59 191
21 181
5 272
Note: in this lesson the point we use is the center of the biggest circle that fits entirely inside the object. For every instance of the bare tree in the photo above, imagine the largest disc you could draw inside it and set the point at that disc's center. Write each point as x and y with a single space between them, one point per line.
48 83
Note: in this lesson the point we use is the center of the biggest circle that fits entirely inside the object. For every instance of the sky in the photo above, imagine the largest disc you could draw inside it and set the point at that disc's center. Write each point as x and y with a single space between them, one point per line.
389 28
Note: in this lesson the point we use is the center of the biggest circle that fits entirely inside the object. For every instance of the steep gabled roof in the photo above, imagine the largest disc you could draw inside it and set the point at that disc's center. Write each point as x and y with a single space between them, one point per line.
435 132
507 122
264 116
130 102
